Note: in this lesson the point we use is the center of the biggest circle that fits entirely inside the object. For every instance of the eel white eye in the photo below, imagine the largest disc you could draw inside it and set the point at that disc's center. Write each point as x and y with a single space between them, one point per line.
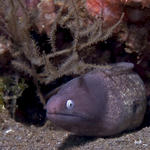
69 104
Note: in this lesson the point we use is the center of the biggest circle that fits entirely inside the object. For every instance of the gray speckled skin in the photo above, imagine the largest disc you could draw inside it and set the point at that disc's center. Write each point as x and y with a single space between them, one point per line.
106 102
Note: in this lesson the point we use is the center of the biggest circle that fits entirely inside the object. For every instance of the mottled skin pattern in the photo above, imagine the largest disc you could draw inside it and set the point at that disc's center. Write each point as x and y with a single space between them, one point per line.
104 102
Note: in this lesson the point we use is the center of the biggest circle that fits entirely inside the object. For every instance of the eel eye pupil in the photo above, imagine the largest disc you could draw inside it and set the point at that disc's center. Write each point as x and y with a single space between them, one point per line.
69 104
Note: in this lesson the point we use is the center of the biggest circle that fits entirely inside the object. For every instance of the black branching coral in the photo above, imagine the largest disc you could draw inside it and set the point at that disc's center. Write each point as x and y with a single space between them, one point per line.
18 22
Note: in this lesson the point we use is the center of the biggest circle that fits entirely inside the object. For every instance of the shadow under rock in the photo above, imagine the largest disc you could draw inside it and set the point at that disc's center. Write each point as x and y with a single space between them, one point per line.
74 140
146 121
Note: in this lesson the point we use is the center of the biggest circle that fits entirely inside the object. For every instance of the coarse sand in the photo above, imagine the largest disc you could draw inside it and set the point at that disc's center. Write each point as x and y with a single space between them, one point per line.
18 136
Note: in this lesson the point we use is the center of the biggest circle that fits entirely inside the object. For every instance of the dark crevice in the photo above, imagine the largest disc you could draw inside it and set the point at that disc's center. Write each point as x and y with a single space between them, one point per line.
29 108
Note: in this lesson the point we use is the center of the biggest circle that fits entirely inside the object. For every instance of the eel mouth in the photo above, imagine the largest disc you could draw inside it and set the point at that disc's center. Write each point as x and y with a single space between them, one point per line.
63 115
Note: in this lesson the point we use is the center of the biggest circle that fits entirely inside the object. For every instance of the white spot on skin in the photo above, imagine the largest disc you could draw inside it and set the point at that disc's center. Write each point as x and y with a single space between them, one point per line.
8 131
137 142
145 145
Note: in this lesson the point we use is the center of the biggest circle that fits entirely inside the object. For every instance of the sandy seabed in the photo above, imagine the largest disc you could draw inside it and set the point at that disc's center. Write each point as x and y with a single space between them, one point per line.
17 136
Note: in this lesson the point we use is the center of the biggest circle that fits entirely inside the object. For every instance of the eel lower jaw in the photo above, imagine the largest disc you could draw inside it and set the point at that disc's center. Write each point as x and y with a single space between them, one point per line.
60 114
63 116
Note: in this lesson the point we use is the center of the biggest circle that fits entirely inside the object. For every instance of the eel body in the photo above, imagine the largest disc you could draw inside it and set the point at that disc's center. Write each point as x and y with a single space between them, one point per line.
103 102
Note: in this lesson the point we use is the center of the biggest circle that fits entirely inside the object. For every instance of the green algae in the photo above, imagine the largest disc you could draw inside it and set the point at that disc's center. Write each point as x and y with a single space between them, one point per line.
11 88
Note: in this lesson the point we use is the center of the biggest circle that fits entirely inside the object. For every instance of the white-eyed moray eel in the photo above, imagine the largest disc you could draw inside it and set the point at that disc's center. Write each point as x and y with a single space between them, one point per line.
103 102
